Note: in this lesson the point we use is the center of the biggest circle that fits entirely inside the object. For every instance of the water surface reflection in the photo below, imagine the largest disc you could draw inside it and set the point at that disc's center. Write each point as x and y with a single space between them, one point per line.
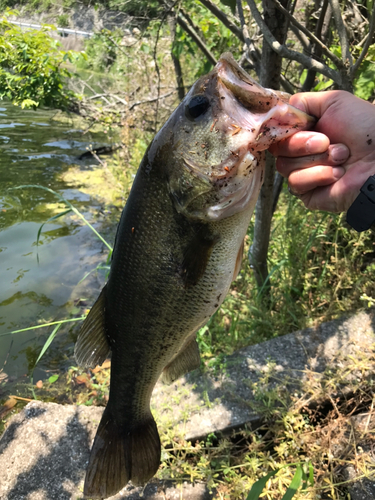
37 282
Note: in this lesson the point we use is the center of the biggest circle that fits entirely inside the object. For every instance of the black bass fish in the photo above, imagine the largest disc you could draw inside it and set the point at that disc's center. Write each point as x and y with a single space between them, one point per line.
178 247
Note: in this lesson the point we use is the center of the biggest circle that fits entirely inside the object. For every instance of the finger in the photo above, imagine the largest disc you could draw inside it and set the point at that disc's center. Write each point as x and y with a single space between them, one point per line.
335 155
315 103
328 198
301 144
303 181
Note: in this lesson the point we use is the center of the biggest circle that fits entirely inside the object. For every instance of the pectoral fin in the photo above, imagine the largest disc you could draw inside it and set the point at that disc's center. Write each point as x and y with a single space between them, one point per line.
92 346
187 359
237 268
196 256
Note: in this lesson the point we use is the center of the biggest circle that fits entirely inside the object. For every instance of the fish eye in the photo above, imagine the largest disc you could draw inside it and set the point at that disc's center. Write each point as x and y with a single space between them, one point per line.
196 107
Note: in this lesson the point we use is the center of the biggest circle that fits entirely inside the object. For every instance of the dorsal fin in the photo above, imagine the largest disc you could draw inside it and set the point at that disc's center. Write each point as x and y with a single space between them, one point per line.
92 346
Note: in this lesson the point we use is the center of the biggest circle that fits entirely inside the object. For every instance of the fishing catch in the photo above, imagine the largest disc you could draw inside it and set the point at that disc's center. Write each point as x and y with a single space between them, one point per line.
178 247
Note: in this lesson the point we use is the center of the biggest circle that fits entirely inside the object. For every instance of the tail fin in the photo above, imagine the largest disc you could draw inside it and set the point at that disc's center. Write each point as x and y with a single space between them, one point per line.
119 455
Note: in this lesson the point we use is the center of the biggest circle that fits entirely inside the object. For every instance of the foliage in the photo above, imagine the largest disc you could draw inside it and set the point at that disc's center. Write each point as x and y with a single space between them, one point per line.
215 35
364 85
143 9
101 50
299 451
32 71
148 9
320 270
63 21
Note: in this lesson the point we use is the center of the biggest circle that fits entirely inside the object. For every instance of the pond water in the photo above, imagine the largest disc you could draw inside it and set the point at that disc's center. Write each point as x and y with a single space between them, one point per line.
38 283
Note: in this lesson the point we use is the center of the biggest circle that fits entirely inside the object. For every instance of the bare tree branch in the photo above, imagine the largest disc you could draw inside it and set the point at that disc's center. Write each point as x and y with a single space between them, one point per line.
223 18
291 5
101 96
325 50
206 51
118 46
306 61
176 59
320 23
286 85
167 12
344 42
249 43
153 99
270 74
245 33
370 36
302 38
326 11
93 91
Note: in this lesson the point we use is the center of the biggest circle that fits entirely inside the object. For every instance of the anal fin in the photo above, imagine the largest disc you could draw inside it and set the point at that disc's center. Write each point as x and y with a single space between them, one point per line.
187 359
92 346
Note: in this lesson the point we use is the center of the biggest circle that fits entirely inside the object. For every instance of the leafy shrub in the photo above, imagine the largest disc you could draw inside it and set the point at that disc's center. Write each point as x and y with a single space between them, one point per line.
101 50
63 21
31 67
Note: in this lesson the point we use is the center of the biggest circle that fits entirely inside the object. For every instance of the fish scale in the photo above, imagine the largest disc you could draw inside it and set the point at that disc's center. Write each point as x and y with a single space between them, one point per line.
178 247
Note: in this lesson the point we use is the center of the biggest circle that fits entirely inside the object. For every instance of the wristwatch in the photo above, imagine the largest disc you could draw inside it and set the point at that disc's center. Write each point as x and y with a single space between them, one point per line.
361 213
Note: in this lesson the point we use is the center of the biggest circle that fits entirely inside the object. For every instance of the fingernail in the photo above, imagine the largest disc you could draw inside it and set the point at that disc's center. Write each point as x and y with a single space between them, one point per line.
339 153
317 144
338 172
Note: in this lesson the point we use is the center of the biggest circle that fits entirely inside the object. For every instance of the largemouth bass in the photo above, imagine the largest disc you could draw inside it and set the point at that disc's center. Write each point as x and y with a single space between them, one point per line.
178 247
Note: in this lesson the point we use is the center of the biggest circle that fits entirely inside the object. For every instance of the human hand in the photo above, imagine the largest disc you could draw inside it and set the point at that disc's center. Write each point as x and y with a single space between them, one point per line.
326 168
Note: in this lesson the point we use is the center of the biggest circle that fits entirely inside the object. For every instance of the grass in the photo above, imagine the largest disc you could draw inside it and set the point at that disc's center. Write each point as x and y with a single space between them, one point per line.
295 438
322 441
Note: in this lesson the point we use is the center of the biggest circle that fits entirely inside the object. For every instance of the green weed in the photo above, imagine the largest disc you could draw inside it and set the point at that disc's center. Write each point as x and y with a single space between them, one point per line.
63 20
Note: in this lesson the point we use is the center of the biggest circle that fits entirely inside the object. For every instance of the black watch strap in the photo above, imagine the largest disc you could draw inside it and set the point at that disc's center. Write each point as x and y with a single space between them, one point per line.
361 213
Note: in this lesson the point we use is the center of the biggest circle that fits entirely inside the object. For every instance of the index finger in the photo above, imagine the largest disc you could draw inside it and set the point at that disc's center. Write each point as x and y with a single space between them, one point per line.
301 144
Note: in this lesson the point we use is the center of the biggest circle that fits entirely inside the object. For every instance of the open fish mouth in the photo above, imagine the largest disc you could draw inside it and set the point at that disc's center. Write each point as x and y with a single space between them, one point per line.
250 118
265 113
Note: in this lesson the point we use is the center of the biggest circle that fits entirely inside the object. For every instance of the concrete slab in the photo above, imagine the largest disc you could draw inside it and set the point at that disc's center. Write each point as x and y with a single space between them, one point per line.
45 449
203 403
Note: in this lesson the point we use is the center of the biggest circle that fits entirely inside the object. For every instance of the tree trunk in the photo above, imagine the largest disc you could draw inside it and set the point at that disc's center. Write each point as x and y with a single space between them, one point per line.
179 79
270 78
264 209
176 60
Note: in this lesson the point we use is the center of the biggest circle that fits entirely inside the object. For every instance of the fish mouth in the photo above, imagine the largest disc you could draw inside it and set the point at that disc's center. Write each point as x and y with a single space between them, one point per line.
239 186
265 112
248 118
258 117
250 94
